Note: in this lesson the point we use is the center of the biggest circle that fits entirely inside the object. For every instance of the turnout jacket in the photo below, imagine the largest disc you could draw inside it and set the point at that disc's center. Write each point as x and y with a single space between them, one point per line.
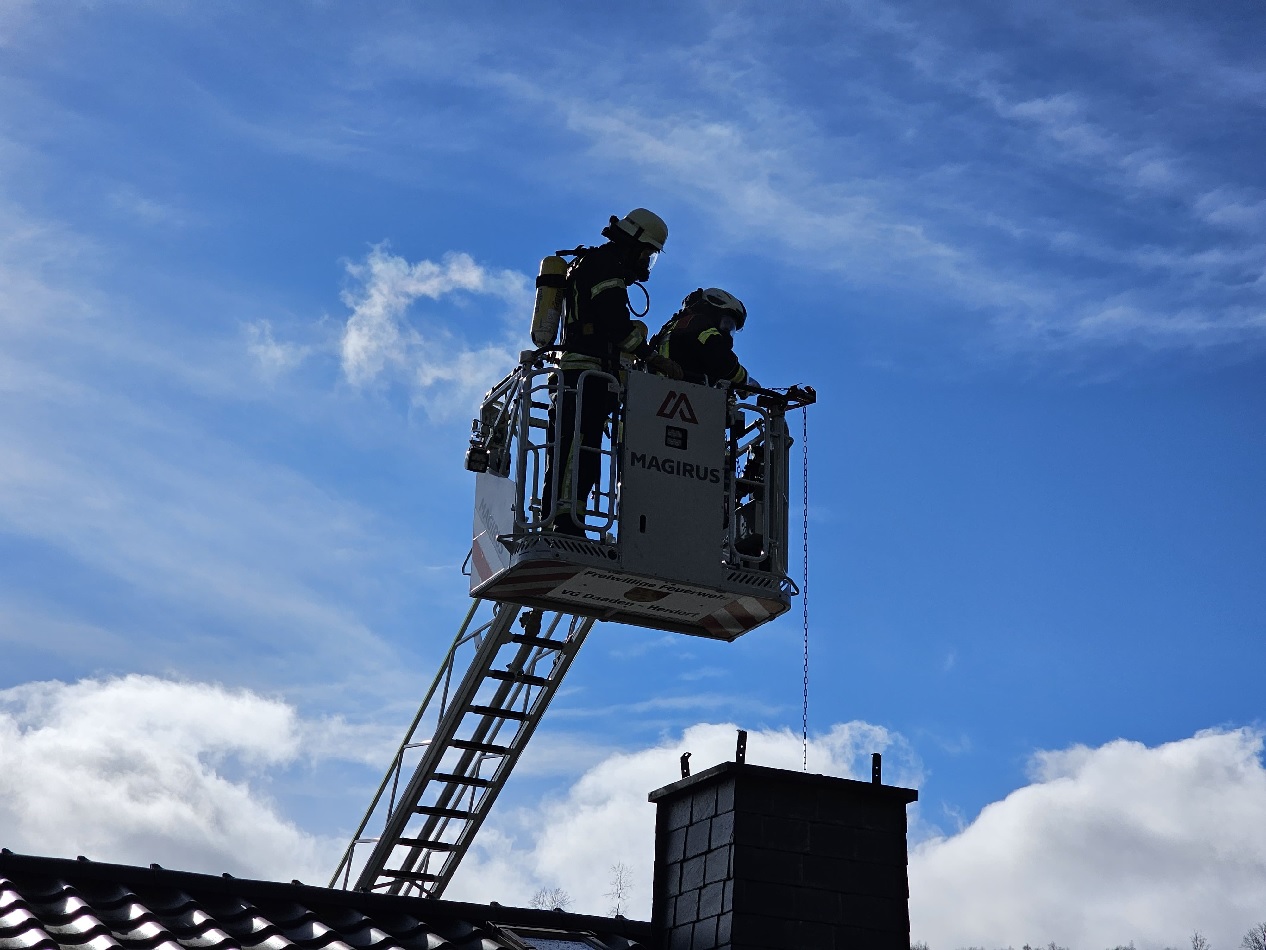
598 326
700 348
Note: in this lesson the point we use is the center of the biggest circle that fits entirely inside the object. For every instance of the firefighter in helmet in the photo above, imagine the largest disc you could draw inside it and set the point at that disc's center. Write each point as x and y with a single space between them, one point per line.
700 338
598 328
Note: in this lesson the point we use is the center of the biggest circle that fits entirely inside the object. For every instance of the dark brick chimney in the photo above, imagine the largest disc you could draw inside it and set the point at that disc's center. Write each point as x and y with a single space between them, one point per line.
750 857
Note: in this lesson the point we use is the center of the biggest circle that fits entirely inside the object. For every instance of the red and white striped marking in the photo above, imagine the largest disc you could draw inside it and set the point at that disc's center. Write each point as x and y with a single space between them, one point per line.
741 615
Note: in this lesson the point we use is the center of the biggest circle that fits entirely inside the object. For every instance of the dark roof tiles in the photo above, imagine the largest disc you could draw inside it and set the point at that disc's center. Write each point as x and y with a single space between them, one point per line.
19 928
50 903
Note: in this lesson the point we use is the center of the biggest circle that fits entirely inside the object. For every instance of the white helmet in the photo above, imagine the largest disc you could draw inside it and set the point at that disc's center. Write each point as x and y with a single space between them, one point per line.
645 227
719 302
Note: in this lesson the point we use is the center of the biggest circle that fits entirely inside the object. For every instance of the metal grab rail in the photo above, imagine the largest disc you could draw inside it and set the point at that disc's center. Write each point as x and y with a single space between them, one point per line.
541 387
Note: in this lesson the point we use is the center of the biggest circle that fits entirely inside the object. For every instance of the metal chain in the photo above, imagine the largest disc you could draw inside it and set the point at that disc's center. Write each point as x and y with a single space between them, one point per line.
804 454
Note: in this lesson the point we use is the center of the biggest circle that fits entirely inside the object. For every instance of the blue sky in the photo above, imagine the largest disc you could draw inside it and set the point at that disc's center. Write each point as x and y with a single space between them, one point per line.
1020 250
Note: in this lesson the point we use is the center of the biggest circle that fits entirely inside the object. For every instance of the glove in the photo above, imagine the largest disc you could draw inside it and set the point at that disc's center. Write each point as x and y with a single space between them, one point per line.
664 366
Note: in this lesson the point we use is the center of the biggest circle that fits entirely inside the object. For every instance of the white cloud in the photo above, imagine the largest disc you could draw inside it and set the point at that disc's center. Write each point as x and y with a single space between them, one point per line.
383 340
137 770
604 818
1108 845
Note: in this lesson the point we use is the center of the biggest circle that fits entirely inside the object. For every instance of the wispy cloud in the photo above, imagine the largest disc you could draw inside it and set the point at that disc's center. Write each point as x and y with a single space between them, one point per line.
962 165
383 340
152 517
1003 229
273 356
148 210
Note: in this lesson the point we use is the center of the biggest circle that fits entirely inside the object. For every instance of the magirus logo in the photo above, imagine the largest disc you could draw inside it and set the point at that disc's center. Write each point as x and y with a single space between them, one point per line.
677 406
671 466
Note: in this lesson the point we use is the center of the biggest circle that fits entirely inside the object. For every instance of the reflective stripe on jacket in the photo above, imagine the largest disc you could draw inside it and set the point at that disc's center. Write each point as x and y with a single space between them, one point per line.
598 326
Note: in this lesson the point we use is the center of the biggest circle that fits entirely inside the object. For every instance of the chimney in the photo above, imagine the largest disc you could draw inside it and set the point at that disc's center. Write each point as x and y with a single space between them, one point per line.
751 857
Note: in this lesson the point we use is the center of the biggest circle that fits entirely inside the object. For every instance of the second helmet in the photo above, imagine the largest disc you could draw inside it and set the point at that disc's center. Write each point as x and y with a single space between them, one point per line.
720 302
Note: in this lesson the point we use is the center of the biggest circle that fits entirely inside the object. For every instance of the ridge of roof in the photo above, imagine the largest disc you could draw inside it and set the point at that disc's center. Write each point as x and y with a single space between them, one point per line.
23 876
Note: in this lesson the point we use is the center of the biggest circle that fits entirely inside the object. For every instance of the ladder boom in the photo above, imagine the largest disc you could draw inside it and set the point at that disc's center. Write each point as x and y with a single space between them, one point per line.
481 727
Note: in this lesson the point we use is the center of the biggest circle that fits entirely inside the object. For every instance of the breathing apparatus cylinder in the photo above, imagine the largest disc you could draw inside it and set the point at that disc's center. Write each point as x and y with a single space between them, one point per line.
549 300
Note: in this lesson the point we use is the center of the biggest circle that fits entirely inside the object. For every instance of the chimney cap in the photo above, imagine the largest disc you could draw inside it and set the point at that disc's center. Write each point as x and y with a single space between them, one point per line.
842 785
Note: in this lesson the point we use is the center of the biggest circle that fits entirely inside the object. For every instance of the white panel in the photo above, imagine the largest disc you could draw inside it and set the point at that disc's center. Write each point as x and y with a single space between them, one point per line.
494 515
672 493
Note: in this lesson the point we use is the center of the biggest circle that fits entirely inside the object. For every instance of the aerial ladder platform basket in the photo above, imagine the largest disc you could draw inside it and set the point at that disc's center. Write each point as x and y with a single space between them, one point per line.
688 527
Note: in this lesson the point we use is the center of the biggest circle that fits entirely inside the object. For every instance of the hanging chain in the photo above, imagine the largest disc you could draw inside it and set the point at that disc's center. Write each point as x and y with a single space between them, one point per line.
804 453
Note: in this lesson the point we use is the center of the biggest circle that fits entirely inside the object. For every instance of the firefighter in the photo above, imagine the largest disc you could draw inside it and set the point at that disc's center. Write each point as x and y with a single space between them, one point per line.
700 338
598 327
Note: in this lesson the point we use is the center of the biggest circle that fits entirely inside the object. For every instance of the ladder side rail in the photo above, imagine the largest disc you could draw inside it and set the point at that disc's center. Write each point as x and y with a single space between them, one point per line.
437 824
504 698
474 636
487 651
394 770
562 663
432 832
487 727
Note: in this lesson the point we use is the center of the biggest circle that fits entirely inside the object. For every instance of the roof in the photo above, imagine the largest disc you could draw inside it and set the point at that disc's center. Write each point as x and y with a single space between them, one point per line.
56 902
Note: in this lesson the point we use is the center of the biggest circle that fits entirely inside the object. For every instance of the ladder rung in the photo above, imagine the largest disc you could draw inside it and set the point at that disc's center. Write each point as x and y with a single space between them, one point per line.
428 845
472 746
545 642
500 713
511 677
453 779
443 812
409 875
